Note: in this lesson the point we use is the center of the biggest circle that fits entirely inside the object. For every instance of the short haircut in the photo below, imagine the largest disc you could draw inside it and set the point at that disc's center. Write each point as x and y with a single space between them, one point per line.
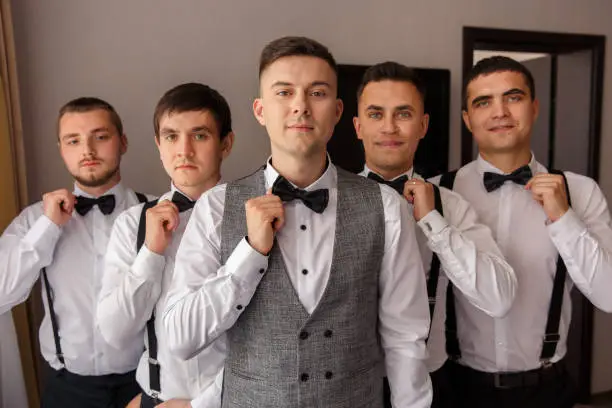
495 64
294 46
194 97
88 104
391 71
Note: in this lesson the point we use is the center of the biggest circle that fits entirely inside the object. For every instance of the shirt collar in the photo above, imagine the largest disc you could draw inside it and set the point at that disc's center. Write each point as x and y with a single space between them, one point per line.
327 180
410 173
485 166
119 191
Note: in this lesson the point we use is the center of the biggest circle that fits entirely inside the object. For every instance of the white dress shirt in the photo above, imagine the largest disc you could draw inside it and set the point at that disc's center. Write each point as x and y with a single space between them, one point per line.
73 256
204 295
469 257
134 285
583 238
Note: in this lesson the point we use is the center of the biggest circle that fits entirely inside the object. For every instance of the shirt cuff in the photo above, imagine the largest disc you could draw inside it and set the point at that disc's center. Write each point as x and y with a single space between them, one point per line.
43 235
148 265
246 264
566 230
432 225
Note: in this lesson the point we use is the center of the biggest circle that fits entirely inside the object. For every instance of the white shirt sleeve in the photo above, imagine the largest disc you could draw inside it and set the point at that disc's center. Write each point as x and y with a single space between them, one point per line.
131 284
583 237
403 307
469 255
26 246
205 297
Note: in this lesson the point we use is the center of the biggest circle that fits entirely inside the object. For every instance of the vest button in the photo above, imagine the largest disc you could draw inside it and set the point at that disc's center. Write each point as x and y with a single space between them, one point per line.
304 271
328 333
329 375
304 335
239 307
304 377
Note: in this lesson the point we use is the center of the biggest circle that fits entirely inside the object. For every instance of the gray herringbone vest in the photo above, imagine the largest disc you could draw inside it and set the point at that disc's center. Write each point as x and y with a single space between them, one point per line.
282 357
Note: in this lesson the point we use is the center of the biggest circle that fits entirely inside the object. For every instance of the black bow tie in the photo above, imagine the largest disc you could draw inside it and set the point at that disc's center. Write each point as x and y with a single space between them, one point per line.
315 200
397 184
106 204
182 203
493 181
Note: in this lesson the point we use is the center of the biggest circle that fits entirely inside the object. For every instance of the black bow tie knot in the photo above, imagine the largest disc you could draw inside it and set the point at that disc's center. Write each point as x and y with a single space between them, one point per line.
106 204
315 200
493 181
182 202
396 184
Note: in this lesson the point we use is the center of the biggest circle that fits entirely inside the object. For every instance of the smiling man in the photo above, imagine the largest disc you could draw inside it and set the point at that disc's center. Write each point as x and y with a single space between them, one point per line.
65 237
308 268
552 227
454 246
193 133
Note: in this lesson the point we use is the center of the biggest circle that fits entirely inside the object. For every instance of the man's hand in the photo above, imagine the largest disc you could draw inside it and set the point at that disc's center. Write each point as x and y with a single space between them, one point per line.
162 221
175 403
421 195
58 206
549 191
265 215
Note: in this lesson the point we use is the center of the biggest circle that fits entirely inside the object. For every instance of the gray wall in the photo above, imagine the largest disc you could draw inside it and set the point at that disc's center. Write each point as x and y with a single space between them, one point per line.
130 52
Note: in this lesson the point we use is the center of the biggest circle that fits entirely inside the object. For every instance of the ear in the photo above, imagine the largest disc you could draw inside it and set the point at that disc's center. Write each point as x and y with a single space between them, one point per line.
258 111
424 125
339 109
357 125
226 145
466 120
124 143
157 143
536 109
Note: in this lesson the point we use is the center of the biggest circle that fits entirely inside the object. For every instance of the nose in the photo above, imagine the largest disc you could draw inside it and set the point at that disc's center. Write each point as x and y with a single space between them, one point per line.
301 104
185 146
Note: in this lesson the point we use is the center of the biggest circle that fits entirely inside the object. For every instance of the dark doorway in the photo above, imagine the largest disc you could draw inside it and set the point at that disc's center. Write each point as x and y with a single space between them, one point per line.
572 67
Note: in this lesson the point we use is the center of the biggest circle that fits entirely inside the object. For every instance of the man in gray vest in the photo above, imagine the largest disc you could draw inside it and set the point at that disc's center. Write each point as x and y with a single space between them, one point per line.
325 270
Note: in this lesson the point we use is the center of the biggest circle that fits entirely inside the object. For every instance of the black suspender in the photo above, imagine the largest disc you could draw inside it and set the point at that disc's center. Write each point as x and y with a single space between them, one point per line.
552 336
56 338
154 369
50 295
452 342
434 269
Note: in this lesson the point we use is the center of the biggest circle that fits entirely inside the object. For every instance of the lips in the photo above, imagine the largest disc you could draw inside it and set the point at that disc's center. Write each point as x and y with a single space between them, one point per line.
390 143
501 128
185 167
89 163
301 127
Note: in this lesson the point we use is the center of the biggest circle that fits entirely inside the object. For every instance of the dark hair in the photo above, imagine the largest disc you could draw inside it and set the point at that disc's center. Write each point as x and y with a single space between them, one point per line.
294 46
494 64
391 71
194 97
88 104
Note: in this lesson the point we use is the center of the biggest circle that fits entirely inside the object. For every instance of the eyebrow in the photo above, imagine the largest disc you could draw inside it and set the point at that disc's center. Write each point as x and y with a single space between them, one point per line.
199 128
91 132
513 91
100 129
313 84
397 108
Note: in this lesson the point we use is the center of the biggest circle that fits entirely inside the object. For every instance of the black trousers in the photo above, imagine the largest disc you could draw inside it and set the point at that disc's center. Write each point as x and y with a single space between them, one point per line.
67 390
554 390
443 396
146 401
